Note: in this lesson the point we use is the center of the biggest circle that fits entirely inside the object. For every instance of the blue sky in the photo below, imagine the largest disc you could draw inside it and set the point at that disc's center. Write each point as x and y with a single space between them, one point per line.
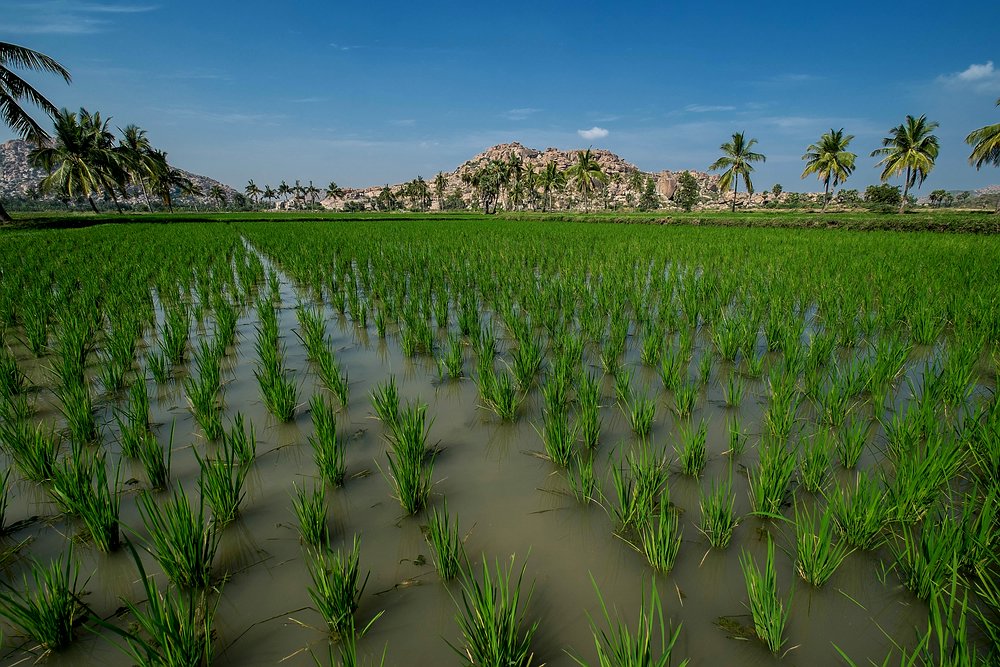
368 93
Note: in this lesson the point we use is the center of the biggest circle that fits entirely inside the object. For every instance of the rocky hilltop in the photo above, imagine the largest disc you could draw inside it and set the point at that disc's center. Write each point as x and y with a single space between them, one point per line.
19 180
625 182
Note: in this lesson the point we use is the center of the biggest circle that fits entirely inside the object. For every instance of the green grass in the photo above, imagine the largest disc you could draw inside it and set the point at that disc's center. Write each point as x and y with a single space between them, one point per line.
492 618
445 541
769 611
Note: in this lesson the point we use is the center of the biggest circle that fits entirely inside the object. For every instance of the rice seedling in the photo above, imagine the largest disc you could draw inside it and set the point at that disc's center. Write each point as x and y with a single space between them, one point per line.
492 618
12 380
685 399
80 487
718 520
769 481
589 416
484 342
279 393
705 364
329 451
638 482
241 441
77 408
133 421
815 457
452 362
173 343
173 628
652 348
204 400
661 537
499 393
558 438
35 320
582 482
4 498
732 390
526 360
921 473
641 413
623 386
182 541
979 542
928 558
310 509
49 607
555 392
33 450
385 401
621 646
862 515
671 365
737 438
446 545
691 449
312 330
337 588
158 367
221 484
851 442
155 459
770 613
753 365
411 477
332 376
817 554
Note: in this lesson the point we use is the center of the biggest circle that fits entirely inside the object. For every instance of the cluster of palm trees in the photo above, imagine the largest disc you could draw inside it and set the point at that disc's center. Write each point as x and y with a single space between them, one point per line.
295 196
910 150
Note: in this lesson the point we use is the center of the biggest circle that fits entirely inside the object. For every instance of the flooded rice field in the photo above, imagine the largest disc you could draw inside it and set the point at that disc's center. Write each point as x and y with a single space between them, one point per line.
587 412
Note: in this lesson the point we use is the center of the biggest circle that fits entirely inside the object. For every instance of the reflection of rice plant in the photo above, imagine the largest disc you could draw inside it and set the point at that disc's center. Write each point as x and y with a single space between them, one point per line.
770 613
817 554
328 450
621 646
718 520
183 542
691 449
493 620
445 542
48 608
310 509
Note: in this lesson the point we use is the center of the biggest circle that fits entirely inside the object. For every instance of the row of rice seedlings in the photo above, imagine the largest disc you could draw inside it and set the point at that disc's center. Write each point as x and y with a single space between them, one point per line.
310 510
80 487
203 390
718 518
769 611
493 618
182 541
817 553
48 607
691 449
337 588
660 537
276 388
77 407
445 541
329 451
411 463
588 395
621 646
133 420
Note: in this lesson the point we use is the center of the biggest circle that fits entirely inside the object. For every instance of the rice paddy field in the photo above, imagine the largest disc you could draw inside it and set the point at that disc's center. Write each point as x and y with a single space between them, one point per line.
474 441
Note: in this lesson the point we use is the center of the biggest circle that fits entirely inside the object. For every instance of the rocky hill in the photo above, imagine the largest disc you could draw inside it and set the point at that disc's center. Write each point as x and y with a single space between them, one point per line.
19 180
625 182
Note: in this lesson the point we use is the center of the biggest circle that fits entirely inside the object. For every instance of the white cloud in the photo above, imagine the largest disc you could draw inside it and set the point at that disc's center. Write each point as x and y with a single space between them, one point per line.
593 133
984 78
707 108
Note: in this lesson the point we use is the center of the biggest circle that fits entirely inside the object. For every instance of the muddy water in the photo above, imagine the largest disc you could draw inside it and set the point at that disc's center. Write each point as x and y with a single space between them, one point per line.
509 502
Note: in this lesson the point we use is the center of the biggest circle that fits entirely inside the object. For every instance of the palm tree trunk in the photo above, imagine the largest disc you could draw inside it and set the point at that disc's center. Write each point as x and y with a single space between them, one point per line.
4 215
736 185
906 189
142 184
826 196
90 198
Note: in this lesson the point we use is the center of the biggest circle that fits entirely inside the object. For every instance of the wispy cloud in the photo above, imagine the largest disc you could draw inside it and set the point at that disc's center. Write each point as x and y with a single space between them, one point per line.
224 117
984 78
519 114
66 17
403 122
708 108
593 133
343 47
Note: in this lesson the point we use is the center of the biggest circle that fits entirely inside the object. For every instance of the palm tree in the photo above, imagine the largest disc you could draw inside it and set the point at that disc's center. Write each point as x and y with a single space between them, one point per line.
82 160
737 160
335 191
218 194
137 157
269 194
585 173
549 179
312 192
830 160
440 183
910 148
252 191
165 179
985 144
14 91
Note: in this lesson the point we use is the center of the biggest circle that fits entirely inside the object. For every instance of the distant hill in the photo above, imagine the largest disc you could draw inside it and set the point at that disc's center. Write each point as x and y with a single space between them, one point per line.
18 179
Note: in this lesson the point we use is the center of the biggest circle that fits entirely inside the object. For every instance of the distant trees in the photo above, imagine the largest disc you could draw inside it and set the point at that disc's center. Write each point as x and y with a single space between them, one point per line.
830 160
883 197
910 149
334 191
737 160
218 194
584 174
688 191
440 183
649 200
551 178
252 191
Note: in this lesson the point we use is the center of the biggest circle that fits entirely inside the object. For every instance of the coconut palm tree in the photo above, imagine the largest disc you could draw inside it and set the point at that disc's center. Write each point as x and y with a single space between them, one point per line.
440 183
985 144
334 190
585 173
549 179
737 160
81 161
252 191
137 157
910 149
218 194
269 194
15 91
165 180
830 160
